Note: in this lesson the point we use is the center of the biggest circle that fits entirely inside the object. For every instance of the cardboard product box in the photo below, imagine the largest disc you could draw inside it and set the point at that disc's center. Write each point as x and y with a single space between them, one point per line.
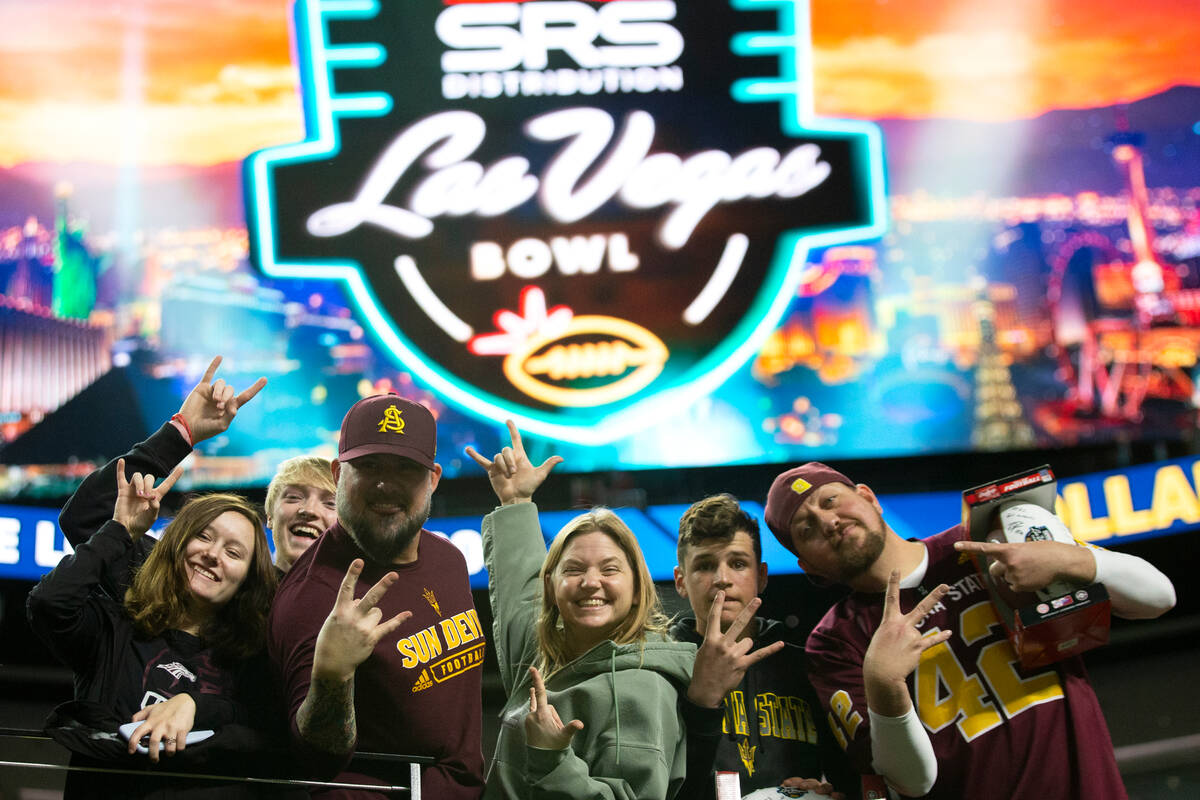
1060 621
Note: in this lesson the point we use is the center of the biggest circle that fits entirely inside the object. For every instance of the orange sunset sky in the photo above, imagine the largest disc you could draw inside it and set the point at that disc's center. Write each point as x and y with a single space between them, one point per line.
207 81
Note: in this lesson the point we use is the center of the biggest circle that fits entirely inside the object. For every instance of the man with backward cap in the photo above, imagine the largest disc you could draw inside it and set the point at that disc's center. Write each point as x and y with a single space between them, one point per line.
913 667
396 665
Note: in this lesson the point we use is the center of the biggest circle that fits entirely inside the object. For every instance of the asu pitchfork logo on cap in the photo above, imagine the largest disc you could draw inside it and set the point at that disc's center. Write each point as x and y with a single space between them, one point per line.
388 423
391 422
582 215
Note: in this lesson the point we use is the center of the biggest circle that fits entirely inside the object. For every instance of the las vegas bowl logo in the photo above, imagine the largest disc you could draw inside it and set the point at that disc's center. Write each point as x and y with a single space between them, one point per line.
582 215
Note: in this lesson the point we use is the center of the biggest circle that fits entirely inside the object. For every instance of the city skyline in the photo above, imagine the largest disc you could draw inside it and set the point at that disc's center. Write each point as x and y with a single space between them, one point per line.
877 356
164 82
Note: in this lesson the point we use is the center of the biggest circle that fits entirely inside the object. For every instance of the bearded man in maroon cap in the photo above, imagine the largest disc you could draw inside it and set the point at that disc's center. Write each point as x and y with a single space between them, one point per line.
914 669
395 667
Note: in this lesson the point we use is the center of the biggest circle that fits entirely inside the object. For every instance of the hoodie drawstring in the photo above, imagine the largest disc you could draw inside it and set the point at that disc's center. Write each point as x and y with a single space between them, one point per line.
612 678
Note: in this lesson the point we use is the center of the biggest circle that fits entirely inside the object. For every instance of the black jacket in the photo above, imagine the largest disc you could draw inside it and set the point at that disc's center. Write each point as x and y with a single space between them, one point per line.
772 727
77 610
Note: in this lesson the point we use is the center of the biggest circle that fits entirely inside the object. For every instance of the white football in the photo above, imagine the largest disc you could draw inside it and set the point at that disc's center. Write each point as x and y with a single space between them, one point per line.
781 792
1027 522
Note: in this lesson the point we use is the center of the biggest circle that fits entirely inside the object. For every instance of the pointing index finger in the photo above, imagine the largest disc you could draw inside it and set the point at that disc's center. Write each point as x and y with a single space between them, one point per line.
972 546
539 687
346 590
481 460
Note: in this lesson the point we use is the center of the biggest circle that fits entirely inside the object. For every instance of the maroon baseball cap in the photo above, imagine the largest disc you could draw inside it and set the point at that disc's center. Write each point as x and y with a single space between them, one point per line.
791 489
388 423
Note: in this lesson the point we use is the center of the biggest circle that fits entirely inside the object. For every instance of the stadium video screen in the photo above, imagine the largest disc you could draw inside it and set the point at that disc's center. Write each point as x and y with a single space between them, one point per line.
656 233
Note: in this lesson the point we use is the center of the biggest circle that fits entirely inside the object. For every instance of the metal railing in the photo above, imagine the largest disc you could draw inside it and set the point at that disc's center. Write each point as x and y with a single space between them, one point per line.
361 762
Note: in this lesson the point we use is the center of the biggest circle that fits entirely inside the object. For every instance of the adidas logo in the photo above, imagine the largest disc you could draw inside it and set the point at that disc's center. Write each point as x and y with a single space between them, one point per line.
423 682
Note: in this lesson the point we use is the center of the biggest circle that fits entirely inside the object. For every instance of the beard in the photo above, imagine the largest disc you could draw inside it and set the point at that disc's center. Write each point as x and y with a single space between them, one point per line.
857 561
383 540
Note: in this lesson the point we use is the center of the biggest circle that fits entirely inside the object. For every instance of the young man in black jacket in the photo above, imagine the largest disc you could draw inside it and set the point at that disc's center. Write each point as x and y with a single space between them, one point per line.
772 731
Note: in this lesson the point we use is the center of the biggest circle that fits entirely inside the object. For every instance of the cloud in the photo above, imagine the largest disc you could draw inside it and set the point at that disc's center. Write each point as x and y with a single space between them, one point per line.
245 85
152 134
976 76
993 74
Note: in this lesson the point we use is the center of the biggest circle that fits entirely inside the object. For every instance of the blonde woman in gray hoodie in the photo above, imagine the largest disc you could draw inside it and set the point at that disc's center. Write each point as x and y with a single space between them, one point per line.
580 636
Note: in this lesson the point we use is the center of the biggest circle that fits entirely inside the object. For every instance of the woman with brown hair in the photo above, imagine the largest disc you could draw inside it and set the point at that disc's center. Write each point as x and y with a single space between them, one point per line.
209 575
580 635
181 652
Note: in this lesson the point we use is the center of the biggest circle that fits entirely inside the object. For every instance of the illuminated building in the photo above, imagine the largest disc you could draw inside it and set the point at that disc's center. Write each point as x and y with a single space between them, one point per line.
787 346
948 309
44 362
999 419
27 263
804 424
49 350
832 332
1121 339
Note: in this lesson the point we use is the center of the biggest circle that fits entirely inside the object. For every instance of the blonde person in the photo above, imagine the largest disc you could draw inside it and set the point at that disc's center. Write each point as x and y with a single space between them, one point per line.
593 682
301 504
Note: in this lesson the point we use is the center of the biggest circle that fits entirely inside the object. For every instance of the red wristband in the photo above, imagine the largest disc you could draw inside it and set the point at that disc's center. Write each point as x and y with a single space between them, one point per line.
187 428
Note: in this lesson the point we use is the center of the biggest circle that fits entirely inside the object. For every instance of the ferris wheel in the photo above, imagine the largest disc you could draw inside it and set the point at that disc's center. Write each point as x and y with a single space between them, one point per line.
1117 337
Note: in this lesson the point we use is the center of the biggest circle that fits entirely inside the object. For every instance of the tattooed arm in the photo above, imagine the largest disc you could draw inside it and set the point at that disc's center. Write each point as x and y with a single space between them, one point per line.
326 717
347 638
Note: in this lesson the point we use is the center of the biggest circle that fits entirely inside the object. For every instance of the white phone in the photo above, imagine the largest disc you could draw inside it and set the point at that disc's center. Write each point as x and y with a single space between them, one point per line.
129 727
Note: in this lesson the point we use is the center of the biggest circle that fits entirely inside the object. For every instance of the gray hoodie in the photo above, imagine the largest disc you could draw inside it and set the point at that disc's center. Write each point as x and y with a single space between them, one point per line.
633 741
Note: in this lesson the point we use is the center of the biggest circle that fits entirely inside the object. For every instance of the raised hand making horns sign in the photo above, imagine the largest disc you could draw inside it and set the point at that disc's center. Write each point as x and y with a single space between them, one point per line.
138 499
514 478
543 727
211 406
723 658
353 627
896 648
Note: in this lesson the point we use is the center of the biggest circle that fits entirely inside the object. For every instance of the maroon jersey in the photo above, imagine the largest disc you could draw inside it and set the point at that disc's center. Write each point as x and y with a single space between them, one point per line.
420 690
999 732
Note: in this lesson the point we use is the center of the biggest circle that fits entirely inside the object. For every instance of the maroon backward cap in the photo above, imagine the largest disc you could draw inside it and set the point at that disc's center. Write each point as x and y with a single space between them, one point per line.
388 423
791 489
